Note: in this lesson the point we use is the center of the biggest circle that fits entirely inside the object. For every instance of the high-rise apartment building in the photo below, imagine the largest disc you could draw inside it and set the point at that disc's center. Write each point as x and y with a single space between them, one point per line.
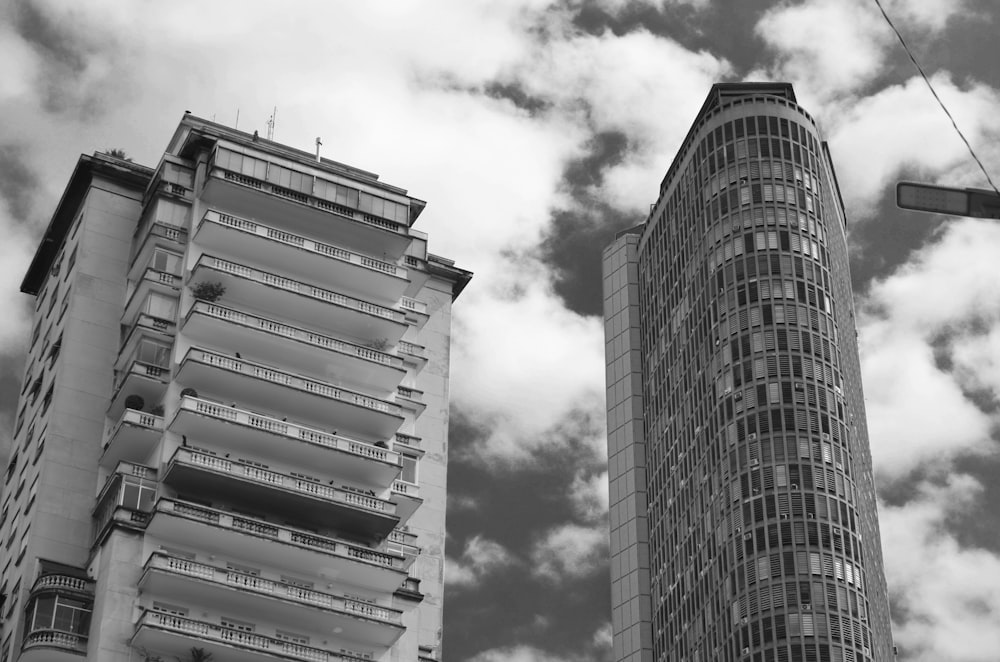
232 432
743 513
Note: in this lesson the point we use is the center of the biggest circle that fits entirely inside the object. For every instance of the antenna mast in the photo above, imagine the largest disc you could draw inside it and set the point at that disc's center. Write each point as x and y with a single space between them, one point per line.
270 124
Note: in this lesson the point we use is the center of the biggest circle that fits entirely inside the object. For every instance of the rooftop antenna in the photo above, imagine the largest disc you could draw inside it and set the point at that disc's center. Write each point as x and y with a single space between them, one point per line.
237 125
270 124
318 144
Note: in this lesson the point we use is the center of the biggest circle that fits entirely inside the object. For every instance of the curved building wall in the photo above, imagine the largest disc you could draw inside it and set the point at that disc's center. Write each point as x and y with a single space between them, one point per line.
763 537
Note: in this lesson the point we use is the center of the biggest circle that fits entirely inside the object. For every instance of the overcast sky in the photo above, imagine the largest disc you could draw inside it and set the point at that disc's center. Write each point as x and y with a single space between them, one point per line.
536 129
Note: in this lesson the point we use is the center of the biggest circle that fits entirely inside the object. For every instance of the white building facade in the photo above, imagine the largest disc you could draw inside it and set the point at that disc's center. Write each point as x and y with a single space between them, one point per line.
232 435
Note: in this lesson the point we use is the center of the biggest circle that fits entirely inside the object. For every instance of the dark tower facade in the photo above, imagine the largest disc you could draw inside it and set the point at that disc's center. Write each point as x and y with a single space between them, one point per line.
743 508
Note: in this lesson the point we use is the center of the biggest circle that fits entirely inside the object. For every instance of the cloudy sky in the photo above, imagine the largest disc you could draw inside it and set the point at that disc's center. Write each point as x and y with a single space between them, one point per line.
536 129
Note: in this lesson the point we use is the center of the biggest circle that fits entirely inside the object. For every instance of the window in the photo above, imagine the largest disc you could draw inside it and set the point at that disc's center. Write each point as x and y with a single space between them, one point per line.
166 261
59 613
138 494
71 262
161 306
409 473
153 352
47 400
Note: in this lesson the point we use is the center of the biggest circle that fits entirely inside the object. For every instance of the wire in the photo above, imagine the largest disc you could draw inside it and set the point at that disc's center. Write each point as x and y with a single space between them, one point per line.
941 103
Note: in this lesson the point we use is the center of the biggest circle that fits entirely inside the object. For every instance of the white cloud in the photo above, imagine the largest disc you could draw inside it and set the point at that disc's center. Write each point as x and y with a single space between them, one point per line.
826 47
949 593
917 412
872 140
570 551
480 558
833 48
590 496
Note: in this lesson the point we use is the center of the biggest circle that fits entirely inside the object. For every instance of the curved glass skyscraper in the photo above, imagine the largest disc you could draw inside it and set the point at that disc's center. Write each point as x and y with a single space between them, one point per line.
743 514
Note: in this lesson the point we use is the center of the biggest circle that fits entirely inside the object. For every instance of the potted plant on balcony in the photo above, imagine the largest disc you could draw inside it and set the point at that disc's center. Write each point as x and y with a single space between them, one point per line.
134 402
189 393
208 291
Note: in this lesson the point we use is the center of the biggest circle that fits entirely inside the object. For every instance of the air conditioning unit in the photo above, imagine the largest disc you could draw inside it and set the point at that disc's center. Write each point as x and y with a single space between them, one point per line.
748 536
811 515
807 607
746 651
825 435
752 436
795 486
784 515
840 465
754 462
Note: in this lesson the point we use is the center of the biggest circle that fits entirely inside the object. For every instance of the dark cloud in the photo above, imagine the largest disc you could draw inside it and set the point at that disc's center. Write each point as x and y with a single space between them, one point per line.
724 29
883 243
19 182
66 49
516 94
576 238
516 507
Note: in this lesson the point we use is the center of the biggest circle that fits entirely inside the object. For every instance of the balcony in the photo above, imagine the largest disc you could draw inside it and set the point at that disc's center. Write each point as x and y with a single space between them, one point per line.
259 541
299 301
151 280
305 214
306 499
157 234
301 256
53 646
175 635
126 499
411 399
57 619
406 496
291 346
412 353
256 385
133 438
403 542
146 380
242 431
229 591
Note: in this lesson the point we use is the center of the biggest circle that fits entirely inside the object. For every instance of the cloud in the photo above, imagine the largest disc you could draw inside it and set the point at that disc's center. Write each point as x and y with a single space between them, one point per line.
948 594
589 496
919 412
480 558
833 48
872 141
826 47
598 649
570 551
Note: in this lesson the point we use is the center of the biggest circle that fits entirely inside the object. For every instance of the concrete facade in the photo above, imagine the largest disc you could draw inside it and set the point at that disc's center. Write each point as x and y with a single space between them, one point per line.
258 472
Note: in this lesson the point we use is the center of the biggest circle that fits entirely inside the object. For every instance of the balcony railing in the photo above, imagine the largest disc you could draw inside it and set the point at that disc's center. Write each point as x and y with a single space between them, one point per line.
213 632
291 380
261 529
303 289
288 430
291 483
297 241
57 582
412 349
272 327
261 586
76 643
409 489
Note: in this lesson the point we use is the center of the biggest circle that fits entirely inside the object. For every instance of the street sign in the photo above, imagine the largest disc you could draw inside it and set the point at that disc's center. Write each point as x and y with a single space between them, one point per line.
977 203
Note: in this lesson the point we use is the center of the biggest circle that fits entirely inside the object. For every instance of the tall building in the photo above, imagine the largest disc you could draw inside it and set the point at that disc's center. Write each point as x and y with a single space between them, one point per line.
743 513
232 434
